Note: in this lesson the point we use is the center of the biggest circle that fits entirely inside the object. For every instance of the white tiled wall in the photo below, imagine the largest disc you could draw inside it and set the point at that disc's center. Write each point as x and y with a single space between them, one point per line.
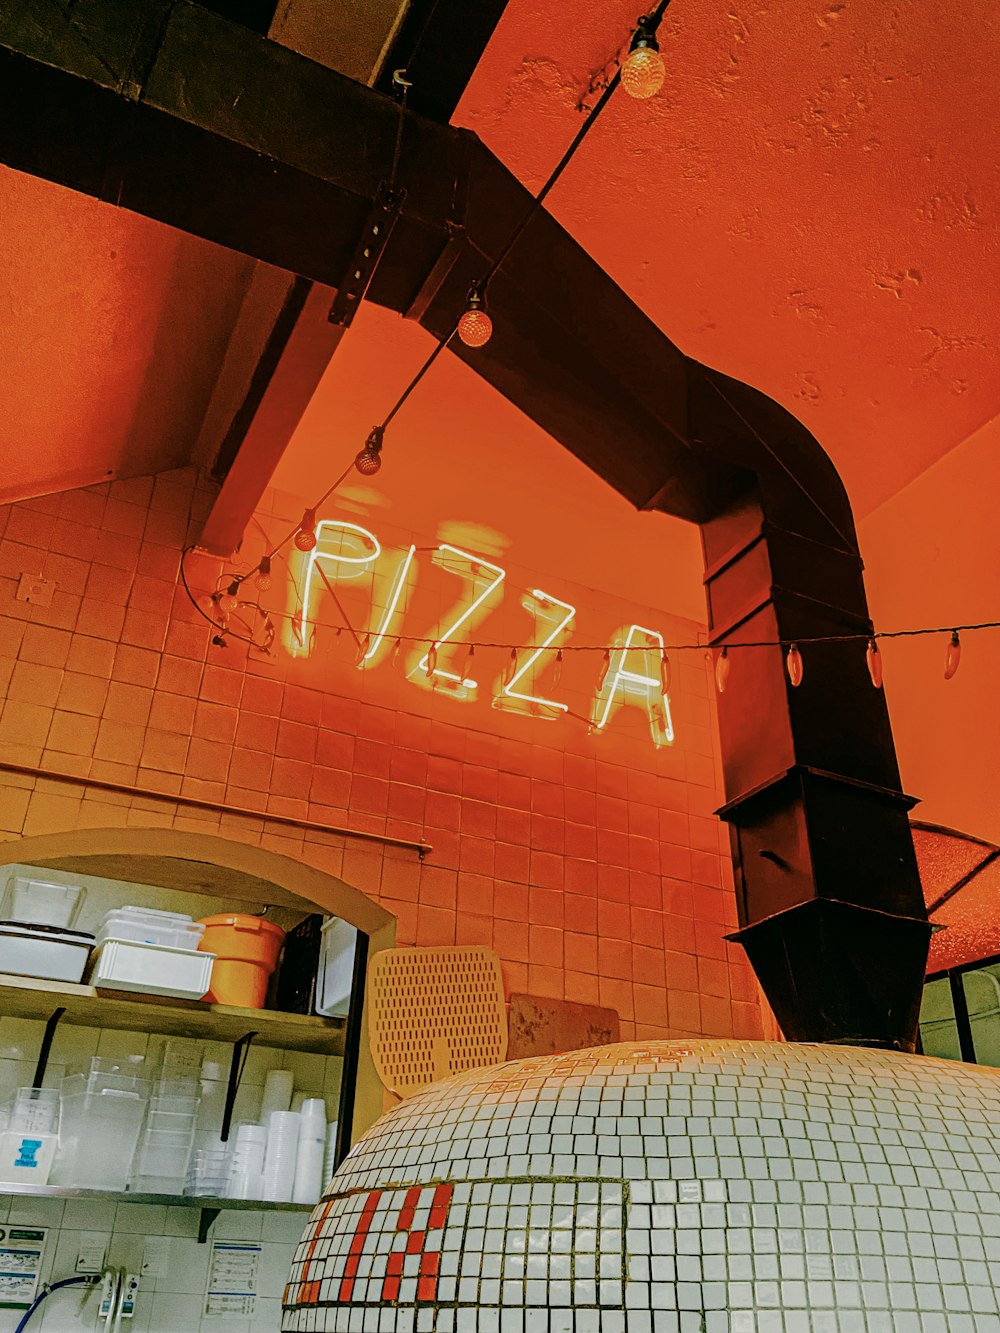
171 1304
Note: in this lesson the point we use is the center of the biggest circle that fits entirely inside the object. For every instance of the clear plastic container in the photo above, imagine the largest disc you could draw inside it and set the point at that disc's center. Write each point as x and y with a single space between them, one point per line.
34 1111
208 1175
98 1138
37 902
50 953
125 1074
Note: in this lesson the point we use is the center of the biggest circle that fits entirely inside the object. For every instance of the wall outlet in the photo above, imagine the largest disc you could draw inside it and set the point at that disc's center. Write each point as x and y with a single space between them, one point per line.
33 588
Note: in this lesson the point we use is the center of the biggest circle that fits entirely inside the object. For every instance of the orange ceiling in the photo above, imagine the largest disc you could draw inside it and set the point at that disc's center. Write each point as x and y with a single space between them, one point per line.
114 329
810 204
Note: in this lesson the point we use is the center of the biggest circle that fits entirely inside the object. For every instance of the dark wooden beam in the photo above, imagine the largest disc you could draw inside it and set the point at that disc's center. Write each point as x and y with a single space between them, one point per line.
439 43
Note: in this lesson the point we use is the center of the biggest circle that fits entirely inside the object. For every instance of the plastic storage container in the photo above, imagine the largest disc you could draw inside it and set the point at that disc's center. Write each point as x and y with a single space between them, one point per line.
30 1136
246 949
40 903
208 1174
335 972
151 969
98 1138
48 952
143 925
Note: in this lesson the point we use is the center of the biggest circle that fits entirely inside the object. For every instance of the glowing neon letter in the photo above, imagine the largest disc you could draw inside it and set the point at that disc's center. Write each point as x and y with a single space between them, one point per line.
646 686
350 549
391 605
458 686
543 607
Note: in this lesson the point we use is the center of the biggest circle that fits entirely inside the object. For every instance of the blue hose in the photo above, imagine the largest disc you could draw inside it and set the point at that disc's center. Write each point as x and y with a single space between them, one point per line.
47 1290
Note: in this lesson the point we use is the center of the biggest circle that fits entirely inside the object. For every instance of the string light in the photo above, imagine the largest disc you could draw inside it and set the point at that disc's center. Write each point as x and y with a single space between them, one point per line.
397 648
953 655
475 328
470 658
432 660
557 670
722 665
369 459
263 579
665 672
793 662
605 668
305 537
874 659
643 70
511 669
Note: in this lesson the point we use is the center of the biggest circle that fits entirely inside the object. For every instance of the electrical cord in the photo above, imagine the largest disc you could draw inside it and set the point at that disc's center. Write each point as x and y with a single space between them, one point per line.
47 1290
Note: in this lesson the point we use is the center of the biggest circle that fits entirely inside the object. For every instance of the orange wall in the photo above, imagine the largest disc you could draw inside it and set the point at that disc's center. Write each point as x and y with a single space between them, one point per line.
932 558
592 864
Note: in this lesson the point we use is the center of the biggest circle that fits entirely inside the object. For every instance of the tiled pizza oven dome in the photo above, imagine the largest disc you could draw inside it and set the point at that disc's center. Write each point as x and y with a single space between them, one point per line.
703 1187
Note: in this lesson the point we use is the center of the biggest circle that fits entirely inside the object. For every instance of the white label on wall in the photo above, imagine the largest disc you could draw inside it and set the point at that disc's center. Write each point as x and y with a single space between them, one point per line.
232 1279
21 1253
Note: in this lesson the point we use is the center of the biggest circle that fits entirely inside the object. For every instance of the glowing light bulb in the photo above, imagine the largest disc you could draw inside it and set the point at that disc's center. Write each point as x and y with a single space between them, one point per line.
557 670
432 659
643 70
369 460
397 649
874 659
475 328
953 656
305 538
722 665
665 672
263 579
793 663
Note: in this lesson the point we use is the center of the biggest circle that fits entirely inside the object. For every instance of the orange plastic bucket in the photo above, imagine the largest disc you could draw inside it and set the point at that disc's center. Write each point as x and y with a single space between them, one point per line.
246 952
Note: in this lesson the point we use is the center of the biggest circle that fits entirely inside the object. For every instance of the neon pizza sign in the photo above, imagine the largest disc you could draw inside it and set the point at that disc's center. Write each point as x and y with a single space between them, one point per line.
633 673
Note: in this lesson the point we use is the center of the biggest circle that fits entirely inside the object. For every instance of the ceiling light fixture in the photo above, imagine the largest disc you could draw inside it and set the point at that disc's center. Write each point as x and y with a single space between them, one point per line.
643 70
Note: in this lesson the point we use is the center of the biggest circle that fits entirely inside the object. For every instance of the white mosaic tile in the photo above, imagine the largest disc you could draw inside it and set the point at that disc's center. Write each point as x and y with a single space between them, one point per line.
703 1187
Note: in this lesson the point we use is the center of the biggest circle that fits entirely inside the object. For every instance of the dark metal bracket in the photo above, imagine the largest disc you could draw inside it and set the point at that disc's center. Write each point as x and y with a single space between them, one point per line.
46 1047
375 233
206 1220
241 1049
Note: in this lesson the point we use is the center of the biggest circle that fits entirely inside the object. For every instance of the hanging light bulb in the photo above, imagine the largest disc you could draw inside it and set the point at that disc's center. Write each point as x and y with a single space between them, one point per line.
558 668
369 459
793 663
953 656
874 659
722 665
263 579
511 669
397 648
475 328
432 660
643 70
362 652
665 672
469 660
605 667
305 538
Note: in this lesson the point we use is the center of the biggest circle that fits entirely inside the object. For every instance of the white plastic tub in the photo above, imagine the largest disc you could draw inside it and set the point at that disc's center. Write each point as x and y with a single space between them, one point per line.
152 969
44 951
143 925
36 902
